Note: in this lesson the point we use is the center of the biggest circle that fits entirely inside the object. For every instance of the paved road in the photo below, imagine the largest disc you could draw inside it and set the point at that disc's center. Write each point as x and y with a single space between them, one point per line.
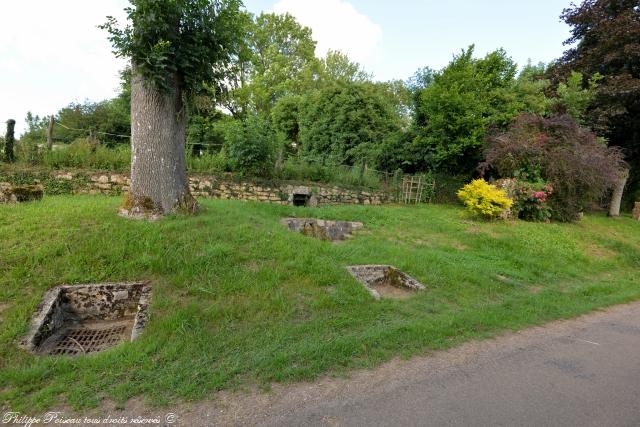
582 372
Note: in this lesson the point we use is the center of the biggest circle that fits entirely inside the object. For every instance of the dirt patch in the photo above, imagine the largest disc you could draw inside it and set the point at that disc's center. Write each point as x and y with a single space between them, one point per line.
385 281
459 246
503 279
474 229
386 290
535 289
599 252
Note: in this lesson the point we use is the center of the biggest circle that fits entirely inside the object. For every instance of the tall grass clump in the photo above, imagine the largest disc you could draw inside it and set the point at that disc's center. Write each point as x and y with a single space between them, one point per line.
207 163
352 176
85 154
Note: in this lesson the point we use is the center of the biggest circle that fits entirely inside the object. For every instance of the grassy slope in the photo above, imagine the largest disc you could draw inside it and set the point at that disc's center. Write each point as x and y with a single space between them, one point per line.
238 299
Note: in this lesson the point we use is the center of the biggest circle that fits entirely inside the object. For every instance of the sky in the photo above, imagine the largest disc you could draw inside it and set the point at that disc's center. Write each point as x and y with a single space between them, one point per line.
53 54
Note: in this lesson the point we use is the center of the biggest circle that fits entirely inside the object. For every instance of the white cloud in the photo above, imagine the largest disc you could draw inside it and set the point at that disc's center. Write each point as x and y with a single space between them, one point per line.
336 25
52 53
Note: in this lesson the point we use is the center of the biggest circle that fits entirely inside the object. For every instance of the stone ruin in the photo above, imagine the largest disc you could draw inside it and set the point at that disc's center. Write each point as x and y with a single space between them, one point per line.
84 319
636 211
20 193
322 229
386 281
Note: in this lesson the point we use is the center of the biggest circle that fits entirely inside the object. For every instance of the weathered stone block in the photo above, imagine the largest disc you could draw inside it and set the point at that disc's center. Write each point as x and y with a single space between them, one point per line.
103 179
20 193
385 281
636 211
322 229
119 179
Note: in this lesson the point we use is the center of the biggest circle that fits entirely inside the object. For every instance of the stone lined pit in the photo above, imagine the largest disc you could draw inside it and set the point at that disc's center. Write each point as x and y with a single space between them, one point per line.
322 229
385 281
20 193
84 319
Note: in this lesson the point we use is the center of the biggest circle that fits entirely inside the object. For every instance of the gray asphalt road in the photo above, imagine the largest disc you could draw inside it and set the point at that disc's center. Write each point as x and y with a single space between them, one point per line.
582 372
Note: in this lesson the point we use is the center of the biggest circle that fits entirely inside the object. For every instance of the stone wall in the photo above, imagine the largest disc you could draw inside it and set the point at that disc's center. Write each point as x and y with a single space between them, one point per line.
216 187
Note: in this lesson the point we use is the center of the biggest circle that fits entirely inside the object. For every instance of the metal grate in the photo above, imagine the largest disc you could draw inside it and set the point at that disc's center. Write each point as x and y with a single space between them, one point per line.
83 340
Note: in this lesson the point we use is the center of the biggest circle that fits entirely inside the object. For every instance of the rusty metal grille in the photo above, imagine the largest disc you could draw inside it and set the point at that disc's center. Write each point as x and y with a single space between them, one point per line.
76 341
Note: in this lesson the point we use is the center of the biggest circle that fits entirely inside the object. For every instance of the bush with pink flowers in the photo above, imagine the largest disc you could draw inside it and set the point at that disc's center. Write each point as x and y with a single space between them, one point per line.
530 199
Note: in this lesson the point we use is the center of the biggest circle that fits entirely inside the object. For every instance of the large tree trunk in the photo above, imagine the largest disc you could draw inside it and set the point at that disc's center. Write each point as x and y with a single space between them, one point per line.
616 199
159 182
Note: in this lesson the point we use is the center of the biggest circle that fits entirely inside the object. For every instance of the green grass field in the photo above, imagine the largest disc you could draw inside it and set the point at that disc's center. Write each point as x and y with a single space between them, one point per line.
239 300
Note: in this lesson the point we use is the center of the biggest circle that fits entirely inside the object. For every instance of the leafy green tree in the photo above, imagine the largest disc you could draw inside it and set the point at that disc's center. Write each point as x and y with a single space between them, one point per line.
177 48
233 93
530 91
250 146
574 99
282 52
462 101
285 117
274 58
346 123
205 133
337 67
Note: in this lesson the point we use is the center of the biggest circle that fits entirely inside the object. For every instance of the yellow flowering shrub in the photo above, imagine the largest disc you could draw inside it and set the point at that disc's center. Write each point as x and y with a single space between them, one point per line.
484 199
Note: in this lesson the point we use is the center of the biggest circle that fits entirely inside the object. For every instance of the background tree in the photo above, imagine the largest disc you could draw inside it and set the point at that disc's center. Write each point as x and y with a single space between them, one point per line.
285 117
606 39
250 146
346 123
459 104
283 52
337 67
176 48
574 98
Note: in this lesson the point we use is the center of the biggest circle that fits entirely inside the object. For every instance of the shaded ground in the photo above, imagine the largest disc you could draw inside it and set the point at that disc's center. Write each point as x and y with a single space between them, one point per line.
582 372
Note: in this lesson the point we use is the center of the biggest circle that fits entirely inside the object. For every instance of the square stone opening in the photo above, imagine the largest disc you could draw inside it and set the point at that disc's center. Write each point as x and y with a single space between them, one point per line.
302 196
386 281
322 229
84 319
300 199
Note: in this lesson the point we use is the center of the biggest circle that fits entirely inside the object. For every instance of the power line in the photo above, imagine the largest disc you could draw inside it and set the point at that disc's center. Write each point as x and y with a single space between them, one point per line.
92 131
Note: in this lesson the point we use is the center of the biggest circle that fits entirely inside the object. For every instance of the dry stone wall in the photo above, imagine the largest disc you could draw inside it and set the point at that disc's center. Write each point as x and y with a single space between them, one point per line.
216 187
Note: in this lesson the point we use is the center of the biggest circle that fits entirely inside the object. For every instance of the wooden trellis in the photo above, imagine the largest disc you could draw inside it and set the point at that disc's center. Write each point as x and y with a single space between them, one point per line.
413 188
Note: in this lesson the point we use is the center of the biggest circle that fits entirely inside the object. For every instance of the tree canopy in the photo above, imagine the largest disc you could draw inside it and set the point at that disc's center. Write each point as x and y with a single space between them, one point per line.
455 107
190 40
346 123
605 39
